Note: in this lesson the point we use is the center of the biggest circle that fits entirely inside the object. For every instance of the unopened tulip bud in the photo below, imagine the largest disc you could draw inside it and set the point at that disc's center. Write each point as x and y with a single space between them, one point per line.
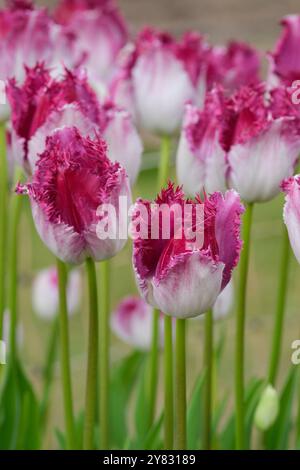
45 298
267 409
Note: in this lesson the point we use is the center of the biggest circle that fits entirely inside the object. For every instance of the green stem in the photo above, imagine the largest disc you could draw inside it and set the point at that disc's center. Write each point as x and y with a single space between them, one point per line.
168 391
153 366
280 309
298 414
163 173
92 366
12 300
48 370
104 352
164 164
180 374
65 355
240 330
3 219
208 367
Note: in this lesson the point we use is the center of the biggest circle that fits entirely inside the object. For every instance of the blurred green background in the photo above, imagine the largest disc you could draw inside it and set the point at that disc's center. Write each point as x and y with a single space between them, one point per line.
255 21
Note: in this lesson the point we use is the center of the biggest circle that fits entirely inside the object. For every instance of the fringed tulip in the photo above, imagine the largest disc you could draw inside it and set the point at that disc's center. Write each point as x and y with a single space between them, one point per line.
262 146
45 292
159 75
100 33
132 322
285 60
232 66
291 213
201 159
73 179
43 104
175 272
25 38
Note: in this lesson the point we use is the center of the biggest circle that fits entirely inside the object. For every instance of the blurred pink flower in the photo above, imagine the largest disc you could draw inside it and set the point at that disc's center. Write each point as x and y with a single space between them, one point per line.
73 177
262 141
224 302
232 66
201 159
181 280
291 212
45 299
43 104
285 59
132 322
100 33
158 76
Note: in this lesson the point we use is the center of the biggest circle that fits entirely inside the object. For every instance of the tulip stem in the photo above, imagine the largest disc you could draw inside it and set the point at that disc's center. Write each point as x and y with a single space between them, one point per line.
180 369
153 366
91 375
240 330
3 218
12 297
104 352
280 309
164 164
208 367
168 391
48 370
65 355
163 171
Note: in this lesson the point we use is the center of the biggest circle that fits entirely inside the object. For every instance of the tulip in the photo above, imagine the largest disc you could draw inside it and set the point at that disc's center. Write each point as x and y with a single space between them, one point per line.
132 322
180 280
100 33
291 187
285 61
123 141
67 222
45 293
25 38
201 159
232 66
267 409
262 148
160 74
43 104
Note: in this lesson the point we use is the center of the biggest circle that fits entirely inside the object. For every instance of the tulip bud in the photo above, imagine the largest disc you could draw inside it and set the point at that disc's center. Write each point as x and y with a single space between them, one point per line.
291 214
45 298
132 322
267 409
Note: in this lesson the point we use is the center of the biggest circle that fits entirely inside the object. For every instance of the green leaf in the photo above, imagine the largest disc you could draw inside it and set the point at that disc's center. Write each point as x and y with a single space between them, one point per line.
195 415
276 438
252 395
19 412
122 382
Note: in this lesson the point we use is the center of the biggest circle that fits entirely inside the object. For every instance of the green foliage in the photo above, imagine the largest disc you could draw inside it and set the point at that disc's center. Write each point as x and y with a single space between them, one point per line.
19 411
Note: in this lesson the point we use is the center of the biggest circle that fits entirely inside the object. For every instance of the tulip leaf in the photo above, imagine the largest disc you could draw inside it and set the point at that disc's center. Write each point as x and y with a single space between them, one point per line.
122 383
194 414
276 438
252 395
19 412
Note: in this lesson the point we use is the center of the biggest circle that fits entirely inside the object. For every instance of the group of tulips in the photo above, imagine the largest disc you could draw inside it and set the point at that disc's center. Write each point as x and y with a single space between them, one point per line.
80 93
